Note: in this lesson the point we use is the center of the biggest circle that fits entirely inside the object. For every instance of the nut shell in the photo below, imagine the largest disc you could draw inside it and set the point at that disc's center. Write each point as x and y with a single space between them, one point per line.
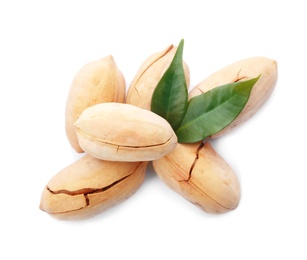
97 82
198 173
89 186
148 76
123 132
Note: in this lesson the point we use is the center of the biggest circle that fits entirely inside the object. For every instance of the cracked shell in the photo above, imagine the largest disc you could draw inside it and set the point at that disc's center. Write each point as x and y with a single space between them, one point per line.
238 71
123 132
148 76
89 186
97 82
198 173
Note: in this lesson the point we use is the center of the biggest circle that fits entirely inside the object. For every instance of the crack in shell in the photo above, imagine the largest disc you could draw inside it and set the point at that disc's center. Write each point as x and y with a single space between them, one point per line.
195 160
154 61
85 192
96 139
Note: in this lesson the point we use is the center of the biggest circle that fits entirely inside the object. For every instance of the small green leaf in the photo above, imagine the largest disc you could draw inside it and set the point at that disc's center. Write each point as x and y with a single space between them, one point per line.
170 97
212 111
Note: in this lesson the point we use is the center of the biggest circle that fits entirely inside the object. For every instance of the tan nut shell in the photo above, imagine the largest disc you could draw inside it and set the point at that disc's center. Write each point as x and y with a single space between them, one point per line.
148 76
201 175
89 186
98 81
123 132
238 71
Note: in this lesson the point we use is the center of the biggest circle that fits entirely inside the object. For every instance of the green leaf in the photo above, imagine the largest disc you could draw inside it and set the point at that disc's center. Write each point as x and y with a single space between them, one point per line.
170 97
212 111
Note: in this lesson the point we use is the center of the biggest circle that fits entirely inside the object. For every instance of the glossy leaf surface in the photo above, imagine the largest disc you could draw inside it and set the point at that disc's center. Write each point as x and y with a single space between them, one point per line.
212 111
170 97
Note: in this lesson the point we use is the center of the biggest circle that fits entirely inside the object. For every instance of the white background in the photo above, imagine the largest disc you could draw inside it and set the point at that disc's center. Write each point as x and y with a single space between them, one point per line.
44 43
